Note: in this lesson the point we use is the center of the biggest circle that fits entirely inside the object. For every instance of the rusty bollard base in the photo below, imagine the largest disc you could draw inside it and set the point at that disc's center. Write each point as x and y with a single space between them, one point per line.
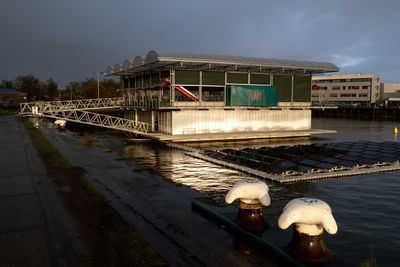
252 195
310 217
250 217
308 249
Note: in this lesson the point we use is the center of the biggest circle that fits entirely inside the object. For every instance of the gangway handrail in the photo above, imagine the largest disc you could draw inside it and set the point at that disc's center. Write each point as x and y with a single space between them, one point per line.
82 104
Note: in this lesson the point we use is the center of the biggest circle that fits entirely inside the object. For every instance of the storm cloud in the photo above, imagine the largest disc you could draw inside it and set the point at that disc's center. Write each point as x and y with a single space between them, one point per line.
69 40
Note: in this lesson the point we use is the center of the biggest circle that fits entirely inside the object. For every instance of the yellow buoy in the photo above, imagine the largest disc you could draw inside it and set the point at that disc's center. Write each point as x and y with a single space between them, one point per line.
395 130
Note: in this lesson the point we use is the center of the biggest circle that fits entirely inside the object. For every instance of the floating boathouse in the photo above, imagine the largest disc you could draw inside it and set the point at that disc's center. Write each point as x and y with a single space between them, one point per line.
192 94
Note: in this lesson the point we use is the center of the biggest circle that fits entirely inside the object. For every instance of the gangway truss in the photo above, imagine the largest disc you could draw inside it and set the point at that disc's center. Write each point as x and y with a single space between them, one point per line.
76 111
82 104
96 119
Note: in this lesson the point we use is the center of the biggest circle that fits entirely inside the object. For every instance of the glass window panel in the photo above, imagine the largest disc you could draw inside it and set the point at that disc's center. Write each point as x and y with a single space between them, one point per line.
256 78
213 78
302 89
187 77
233 77
283 85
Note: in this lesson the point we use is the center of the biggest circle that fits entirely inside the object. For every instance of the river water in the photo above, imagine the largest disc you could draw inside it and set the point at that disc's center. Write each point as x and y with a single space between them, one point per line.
365 207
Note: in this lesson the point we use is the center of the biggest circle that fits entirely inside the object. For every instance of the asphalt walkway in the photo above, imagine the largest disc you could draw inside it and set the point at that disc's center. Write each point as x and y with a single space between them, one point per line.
33 220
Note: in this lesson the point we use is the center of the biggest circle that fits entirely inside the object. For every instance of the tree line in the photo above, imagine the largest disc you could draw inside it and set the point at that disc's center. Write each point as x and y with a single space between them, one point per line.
44 90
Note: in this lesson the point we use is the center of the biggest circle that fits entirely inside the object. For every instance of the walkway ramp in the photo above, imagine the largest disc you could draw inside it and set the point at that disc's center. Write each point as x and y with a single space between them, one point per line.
101 120
76 111
83 104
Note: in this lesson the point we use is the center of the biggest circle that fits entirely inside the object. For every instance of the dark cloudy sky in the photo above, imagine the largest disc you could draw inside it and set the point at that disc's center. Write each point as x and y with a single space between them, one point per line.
68 40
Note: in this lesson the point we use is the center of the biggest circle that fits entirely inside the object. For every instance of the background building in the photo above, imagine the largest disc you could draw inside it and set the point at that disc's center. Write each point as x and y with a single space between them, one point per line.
390 94
11 97
346 89
195 94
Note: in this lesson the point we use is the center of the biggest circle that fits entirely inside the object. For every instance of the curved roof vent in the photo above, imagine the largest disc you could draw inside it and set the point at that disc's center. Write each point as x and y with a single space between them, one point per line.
117 68
109 70
151 57
137 62
126 65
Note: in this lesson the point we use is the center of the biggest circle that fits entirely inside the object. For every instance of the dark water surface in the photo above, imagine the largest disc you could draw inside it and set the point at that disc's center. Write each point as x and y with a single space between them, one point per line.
366 207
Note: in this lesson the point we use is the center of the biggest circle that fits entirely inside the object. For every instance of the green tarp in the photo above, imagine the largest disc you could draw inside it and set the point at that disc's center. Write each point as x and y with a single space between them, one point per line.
250 95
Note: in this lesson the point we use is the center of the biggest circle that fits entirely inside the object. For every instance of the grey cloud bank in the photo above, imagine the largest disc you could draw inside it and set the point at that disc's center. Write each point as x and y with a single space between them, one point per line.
69 40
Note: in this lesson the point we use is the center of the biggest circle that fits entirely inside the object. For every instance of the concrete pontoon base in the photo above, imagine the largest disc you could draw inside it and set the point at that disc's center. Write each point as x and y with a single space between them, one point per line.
182 138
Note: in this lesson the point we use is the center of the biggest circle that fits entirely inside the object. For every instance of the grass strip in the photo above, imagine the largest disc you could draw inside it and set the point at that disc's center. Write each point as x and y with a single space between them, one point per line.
110 240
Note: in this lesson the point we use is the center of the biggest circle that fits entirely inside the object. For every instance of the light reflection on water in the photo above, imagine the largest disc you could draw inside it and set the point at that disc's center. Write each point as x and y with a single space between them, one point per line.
366 207
180 168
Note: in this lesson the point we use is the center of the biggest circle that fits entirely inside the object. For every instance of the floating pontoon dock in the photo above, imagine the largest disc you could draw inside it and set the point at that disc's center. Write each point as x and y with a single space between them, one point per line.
182 138
308 162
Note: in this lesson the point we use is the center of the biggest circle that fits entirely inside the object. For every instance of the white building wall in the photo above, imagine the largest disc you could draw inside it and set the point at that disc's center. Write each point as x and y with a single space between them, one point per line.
391 87
238 120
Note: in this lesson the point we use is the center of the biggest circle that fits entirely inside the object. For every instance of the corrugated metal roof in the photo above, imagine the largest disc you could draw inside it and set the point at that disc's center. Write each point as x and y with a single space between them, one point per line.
154 58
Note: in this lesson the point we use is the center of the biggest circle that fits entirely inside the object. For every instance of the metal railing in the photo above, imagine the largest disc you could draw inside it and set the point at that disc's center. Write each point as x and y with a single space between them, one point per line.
83 104
101 120
75 111
157 102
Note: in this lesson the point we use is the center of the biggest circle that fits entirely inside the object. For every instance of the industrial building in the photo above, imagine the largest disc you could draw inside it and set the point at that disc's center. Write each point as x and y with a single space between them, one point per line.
390 94
346 89
186 94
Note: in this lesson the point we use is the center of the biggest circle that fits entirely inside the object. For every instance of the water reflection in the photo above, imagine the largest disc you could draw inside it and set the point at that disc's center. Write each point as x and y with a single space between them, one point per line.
180 168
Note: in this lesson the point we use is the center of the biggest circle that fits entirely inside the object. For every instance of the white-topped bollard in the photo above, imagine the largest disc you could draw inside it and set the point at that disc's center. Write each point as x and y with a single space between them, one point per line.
252 195
60 123
310 217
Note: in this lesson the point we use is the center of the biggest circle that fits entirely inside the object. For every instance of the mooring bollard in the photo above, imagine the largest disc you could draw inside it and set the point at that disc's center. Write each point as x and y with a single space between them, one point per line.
60 123
252 195
310 217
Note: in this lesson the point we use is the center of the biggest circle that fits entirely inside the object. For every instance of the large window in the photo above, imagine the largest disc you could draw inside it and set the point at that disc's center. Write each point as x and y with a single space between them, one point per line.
126 82
235 77
212 94
213 78
256 78
146 80
164 74
301 89
155 78
139 81
132 82
186 93
283 85
187 77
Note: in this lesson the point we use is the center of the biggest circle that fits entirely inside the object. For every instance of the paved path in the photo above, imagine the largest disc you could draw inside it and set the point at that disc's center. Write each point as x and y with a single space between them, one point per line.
33 220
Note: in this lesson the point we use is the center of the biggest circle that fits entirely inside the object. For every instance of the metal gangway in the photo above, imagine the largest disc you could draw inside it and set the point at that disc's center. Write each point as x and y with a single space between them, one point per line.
76 111
82 104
